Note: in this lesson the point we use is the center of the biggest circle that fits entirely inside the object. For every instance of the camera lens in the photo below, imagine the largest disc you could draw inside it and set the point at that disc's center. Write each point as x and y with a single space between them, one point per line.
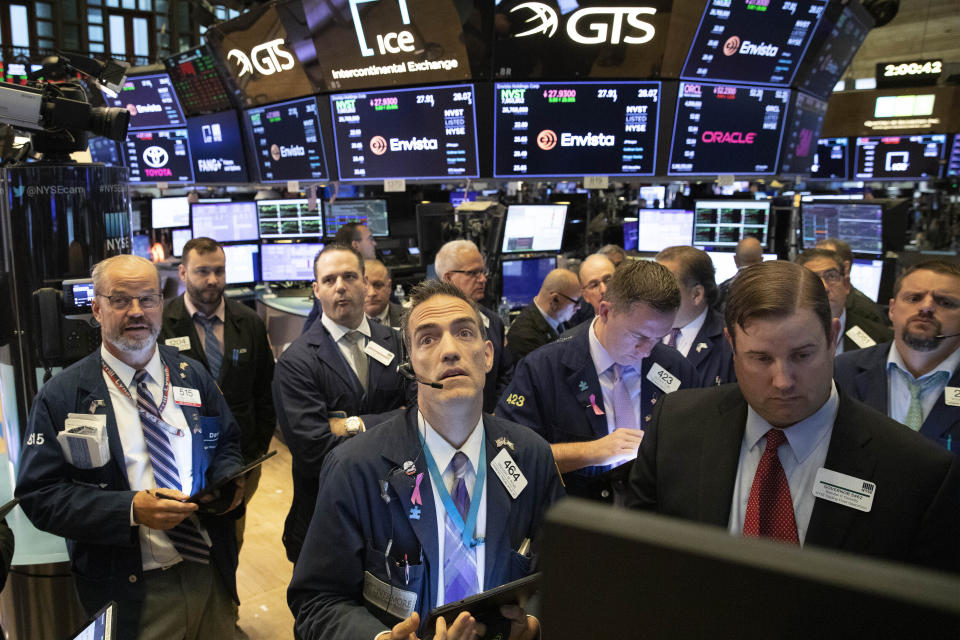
109 122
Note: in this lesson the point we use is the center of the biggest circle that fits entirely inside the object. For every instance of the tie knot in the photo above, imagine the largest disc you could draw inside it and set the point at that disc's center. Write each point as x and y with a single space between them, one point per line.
204 320
353 337
775 438
459 464
139 376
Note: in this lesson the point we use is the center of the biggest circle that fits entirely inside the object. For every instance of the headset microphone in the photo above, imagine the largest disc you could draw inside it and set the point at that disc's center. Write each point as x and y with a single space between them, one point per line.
406 370
943 337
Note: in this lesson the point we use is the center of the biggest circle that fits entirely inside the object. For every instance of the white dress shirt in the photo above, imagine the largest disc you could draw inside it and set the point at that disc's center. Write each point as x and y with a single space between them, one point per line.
156 550
443 453
338 331
602 362
801 457
898 393
688 333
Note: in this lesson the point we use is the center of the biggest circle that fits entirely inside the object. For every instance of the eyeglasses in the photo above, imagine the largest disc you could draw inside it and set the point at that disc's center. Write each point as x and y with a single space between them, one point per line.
593 284
473 273
830 276
119 303
576 303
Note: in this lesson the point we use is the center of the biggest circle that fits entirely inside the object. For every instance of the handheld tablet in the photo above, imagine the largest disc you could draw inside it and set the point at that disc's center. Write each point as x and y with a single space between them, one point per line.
487 604
206 491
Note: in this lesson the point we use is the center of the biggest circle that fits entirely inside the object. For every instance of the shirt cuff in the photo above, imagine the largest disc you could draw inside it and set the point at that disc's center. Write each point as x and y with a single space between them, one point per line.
133 523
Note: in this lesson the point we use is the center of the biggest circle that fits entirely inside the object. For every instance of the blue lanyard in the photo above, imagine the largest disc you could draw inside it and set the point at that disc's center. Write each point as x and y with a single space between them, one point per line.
466 530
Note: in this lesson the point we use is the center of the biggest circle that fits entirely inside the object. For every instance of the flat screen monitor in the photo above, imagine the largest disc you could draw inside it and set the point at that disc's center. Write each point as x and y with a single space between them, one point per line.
953 164
802 134
141 245
899 157
242 263
727 129
838 36
287 141
289 219
216 148
858 223
419 133
159 156
832 161
372 213
197 81
106 151
723 223
170 212
180 237
755 41
288 261
724 266
225 221
657 229
654 196
575 129
151 101
534 227
522 278
866 275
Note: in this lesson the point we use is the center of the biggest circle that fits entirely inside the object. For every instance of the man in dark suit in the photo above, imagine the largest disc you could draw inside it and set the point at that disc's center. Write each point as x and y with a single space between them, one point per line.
460 263
915 379
230 340
857 331
332 381
415 514
857 302
783 455
539 322
356 236
377 304
698 329
591 393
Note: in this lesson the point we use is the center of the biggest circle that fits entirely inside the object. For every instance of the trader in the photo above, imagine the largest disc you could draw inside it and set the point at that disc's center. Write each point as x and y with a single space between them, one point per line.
915 379
357 237
615 253
460 263
541 321
417 513
782 454
230 340
857 300
749 252
591 393
698 330
158 430
595 272
377 304
332 381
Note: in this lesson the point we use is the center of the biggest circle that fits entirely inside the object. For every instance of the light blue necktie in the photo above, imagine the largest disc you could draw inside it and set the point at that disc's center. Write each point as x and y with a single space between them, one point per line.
914 417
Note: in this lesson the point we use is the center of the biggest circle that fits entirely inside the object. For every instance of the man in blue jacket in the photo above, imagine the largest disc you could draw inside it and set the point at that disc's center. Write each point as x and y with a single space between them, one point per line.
419 512
162 431
591 393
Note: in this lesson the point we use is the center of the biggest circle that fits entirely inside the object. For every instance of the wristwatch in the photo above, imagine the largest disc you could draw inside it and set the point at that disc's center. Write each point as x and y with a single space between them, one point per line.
354 425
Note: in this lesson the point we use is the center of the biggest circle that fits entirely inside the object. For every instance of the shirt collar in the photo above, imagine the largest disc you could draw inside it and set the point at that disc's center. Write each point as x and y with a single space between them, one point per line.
601 359
554 323
443 452
337 331
693 327
220 313
125 372
803 436
948 364
384 315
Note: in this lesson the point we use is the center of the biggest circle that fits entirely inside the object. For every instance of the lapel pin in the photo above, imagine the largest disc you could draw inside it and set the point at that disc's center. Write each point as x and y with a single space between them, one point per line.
702 346
597 411
414 512
409 468
504 442
653 401
183 365
646 419
583 385
96 403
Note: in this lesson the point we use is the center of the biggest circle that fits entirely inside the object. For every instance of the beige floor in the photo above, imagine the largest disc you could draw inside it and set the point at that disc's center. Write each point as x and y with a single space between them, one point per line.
264 571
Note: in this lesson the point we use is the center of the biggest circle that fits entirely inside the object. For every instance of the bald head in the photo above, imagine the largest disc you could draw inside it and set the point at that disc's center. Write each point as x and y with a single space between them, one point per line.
559 294
595 272
749 251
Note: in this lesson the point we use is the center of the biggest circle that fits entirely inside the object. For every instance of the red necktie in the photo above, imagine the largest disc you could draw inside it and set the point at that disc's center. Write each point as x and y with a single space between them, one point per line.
770 508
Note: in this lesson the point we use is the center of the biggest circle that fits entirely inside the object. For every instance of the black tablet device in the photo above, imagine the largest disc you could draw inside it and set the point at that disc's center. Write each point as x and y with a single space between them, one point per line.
206 491
486 605
7 508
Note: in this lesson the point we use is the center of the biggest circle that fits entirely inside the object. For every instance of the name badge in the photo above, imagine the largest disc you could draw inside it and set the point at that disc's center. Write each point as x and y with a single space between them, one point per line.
951 395
843 489
663 379
509 473
378 353
186 396
182 343
389 598
860 337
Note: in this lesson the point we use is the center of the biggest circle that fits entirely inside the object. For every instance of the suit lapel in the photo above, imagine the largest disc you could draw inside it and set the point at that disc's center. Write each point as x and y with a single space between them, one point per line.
498 510
583 382
871 380
93 393
710 333
719 459
942 418
184 326
328 353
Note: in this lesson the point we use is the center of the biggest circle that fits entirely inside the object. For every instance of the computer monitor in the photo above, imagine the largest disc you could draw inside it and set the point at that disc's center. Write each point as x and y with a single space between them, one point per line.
242 262
170 212
289 219
654 196
534 227
288 261
915 157
832 160
158 155
141 245
151 101
216 148
197 81
866 275
657 229
287 141
180 237
723 223
858 223
225 221
724 267
372 213
522 278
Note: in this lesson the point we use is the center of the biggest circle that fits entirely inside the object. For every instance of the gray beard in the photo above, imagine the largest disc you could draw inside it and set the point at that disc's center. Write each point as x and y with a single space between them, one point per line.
130 345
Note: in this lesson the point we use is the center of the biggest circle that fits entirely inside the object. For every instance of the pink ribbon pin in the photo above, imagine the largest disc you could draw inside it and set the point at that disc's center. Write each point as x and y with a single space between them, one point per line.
415 498
593 403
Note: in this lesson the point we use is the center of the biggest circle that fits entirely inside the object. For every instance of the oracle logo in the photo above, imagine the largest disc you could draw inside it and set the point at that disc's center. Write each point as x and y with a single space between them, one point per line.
731 46
546 139
728 137
378 144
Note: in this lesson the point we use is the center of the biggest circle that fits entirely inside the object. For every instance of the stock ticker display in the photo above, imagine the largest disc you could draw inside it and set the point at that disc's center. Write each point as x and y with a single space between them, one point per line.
197 82
159 156
216 148
287 141
802 134
289 219
727 129
575 128
151 102
427 132
723 223
755 41
832 161
860 224
899 157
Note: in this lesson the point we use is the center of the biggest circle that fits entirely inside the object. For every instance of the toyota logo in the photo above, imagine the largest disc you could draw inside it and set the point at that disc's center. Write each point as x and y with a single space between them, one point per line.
731 46
155 156
378 145
546 139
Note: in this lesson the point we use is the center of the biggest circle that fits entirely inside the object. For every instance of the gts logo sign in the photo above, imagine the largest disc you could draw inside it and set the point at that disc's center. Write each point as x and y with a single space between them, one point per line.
265 58
600 24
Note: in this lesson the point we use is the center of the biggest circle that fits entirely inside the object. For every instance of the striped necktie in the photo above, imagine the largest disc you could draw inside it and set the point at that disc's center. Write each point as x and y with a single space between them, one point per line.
211 345
186 536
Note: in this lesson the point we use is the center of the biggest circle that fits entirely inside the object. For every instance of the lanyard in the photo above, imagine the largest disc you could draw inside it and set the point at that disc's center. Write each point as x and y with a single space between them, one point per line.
163 403
453 513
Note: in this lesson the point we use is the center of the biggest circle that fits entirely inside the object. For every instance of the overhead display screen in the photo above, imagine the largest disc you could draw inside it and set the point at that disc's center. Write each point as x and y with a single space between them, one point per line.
803 131
288 261
899 157
575 128
225 221
371 213
723 223
151 102
755 41
158 156
287 141
216 147
832 161
288 219
242 263
197 82
657 229
858 223
534 227
837 39
427 132
953 164
727 129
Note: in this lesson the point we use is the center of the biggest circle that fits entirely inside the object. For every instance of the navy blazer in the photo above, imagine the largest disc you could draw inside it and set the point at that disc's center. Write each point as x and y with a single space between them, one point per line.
501 372
529 331
363 509
710 354
690 454
863 375
551 390
313 379
91 507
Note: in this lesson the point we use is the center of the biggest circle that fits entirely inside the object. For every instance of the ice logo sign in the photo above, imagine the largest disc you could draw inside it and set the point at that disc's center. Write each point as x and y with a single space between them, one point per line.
390 42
